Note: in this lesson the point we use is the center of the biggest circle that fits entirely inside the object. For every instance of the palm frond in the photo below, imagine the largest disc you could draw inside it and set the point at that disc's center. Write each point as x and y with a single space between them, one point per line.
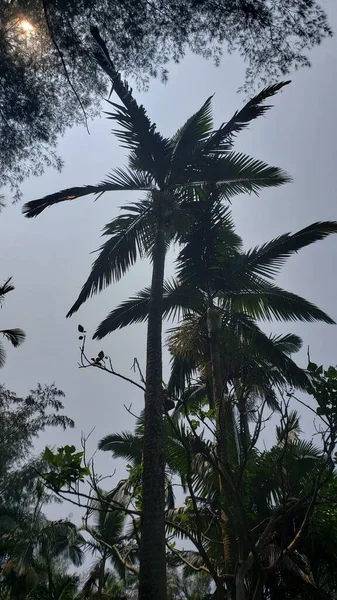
90 582
35 207
123 445
130 237
209 245
288 343
109 525
133 310
15 336
129 180
267 259
246 329
176 300
118 180
191 136
233 174
2 355
187 346
222 139
6 287
182 370
138 133
271 302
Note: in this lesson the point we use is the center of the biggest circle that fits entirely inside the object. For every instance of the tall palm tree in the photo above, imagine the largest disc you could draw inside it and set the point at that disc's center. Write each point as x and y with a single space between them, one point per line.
220 290
216 276
15 336
169 170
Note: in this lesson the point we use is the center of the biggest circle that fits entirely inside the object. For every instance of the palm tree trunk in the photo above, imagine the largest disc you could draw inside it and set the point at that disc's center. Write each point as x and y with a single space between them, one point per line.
152 576
244 427
222 423
50 580
101 576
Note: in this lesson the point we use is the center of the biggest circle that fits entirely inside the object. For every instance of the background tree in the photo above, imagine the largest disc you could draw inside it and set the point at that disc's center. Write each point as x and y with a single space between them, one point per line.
15 336
35 552
22 420
49 80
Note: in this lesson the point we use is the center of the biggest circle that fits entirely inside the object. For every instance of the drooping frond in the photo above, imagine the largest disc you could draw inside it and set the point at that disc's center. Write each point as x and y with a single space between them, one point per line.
244 328
130 237
15 336
267 259
182 370
209 245
272 303
2 355
188 345
133 310
289 343
125 445
118 180
35 207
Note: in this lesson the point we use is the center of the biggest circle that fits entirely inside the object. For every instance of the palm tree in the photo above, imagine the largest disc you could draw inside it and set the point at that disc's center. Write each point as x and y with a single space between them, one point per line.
110 544
31 547
15 336
216 277
220 290
300 572
169 171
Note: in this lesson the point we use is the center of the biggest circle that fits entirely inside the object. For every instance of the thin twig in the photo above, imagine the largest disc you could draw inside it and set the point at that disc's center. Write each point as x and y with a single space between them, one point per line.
60 53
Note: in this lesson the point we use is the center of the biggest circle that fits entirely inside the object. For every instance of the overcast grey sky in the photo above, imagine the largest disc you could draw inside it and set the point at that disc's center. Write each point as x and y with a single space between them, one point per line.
49 257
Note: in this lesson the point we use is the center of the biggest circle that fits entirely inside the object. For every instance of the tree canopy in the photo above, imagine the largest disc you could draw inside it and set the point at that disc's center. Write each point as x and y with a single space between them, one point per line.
49 80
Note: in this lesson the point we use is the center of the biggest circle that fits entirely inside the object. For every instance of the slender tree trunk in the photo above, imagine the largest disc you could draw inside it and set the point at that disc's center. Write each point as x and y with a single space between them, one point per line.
244 427
152 576
50 580
220 592
101 576
222 424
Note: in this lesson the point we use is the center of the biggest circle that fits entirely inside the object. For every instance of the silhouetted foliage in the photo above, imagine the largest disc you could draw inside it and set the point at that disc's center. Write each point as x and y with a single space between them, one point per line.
50 82
22 420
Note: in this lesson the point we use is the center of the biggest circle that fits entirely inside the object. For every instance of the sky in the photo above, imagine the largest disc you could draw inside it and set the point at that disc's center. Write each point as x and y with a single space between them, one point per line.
49 257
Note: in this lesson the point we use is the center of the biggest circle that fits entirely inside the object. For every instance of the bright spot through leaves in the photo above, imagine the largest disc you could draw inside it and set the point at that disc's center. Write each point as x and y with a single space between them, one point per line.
26 27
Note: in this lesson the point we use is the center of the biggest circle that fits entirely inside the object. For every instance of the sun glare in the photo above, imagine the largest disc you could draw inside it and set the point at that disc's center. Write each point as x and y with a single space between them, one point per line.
26 27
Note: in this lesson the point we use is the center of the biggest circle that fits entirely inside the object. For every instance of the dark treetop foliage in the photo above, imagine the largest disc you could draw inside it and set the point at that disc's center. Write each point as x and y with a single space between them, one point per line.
49 80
